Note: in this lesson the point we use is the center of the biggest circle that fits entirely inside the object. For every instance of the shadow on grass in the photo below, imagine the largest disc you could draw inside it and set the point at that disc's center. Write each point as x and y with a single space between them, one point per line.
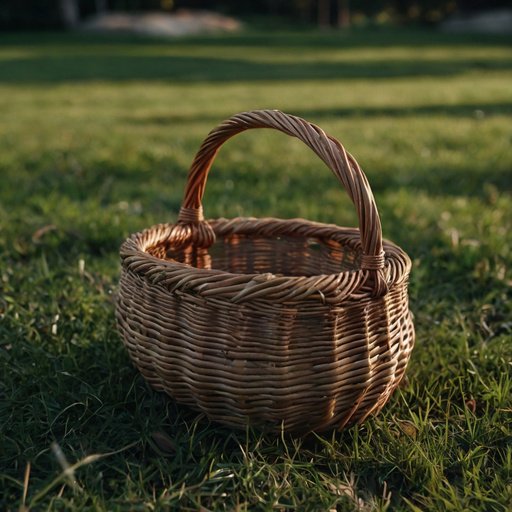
182 69
64 57
372 37
445 181
470 110
61 57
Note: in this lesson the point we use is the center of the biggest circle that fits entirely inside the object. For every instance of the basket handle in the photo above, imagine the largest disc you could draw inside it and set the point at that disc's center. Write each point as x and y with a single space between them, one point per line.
341 163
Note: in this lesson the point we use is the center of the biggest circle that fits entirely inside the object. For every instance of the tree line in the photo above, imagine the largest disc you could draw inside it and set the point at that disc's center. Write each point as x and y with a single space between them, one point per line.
51 14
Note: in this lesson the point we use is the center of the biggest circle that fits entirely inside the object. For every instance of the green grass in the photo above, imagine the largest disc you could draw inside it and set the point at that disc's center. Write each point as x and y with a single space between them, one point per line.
95 140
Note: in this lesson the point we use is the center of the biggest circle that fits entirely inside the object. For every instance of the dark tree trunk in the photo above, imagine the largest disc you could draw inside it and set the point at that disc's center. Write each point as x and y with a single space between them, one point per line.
101 6
343 20
324 13
70 13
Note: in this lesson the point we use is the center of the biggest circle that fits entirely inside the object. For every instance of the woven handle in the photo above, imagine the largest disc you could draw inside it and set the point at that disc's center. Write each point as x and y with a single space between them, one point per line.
341 163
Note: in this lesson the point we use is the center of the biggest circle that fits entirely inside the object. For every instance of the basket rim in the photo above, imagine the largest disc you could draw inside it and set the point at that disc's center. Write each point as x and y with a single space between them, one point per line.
240 287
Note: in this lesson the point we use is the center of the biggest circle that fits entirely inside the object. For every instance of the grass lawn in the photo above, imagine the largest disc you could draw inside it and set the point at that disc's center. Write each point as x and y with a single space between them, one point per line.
96 136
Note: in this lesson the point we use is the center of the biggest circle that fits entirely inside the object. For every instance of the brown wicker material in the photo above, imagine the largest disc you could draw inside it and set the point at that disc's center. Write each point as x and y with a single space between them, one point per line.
276 323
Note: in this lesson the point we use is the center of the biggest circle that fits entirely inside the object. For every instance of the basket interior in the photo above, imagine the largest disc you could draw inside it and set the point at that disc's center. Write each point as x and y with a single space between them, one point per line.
282 255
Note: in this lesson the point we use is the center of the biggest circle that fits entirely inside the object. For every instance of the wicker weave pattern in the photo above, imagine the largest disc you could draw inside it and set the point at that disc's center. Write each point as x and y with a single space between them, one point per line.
278 323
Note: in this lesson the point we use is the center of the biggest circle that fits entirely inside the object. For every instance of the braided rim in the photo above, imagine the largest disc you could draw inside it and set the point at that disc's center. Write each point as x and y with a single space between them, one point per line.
346 286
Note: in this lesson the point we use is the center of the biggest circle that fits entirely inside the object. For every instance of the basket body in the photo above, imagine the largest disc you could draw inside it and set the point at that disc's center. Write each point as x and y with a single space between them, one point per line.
281 324
303 364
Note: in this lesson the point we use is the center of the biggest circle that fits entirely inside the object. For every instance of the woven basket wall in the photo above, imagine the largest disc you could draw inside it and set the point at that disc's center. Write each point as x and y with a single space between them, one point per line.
276 323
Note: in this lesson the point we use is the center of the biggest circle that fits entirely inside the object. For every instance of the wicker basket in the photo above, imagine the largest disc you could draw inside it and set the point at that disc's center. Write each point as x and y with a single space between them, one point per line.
282 324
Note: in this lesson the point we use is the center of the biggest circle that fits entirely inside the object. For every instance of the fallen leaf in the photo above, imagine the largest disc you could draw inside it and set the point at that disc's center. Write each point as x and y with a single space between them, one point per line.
42 231
408 428
471 405
164 442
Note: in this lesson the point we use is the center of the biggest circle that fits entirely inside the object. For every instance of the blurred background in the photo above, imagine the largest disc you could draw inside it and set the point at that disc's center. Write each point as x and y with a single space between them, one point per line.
47 14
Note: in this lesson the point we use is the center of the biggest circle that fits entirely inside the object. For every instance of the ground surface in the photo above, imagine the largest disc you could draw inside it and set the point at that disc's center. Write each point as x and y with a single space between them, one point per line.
95 140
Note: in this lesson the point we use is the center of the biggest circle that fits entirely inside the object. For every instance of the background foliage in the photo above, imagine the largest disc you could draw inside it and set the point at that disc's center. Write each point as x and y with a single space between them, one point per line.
44 14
